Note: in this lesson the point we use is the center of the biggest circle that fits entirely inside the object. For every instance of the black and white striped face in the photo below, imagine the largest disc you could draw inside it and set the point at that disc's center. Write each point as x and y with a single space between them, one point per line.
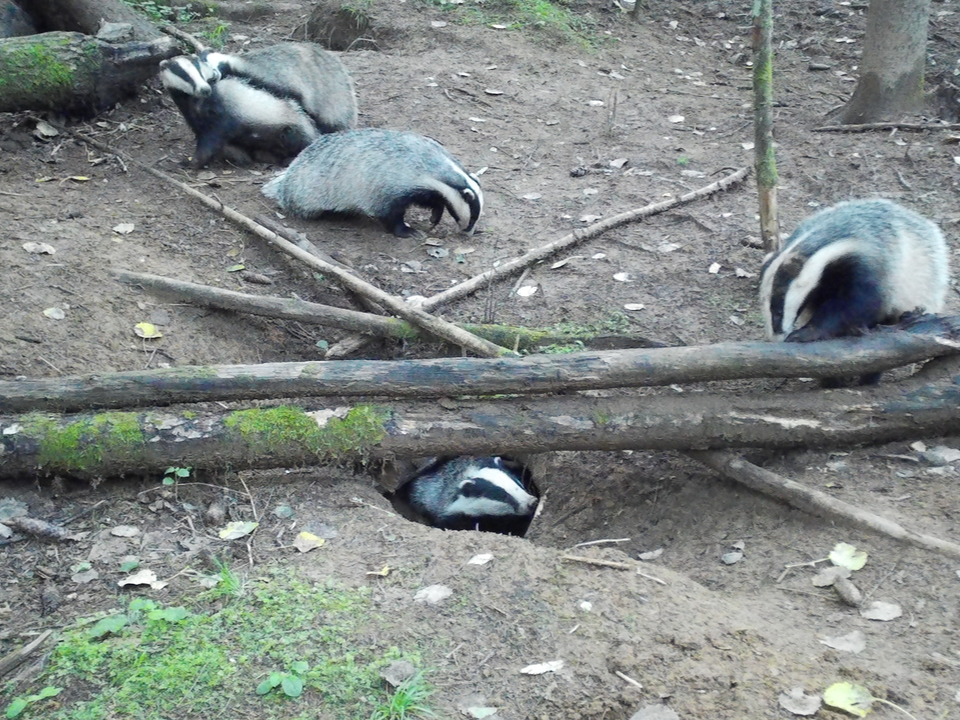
491 492
464 199
189 75
788 280
218 61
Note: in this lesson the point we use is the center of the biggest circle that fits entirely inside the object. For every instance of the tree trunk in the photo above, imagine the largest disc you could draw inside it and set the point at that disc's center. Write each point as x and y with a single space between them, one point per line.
454 377
893 61
765 159
74 73
86 15
118 443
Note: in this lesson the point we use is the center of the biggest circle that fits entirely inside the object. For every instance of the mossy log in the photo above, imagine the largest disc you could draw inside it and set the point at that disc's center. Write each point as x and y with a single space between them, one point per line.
452 377
73 73
119 443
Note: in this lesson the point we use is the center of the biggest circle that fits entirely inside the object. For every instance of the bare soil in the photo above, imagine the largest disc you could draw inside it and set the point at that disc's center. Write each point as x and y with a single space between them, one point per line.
715 640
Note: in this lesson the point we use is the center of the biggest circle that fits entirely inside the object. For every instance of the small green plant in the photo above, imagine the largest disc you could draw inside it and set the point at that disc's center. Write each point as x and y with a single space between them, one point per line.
161 11
683 161
174 474
290 683
217 36
229 583
408 701
563 348
19 704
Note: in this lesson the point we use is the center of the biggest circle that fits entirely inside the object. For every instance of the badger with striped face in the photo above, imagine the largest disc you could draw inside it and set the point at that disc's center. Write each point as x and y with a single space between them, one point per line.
304 73
378 173
232 118
470 493
851 267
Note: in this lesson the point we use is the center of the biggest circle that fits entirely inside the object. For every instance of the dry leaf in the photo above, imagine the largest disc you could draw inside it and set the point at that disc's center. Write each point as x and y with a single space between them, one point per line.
541 668
307 541
623 277
618 163
853 642
432 594
125 531
235 530
482 559
880 610
560 263
526 290
676 118
143 577
39 248
148 331
532 196
634 306
714 268
123 228
491 91
54 313
798 702
590 218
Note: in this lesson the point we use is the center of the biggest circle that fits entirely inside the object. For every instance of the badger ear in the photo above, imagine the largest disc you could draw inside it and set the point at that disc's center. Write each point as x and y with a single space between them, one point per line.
468 194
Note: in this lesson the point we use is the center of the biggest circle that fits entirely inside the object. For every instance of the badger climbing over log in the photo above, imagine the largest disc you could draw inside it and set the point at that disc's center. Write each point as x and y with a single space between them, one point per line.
232 118
378 173
304 73
266 105
851 267
470 493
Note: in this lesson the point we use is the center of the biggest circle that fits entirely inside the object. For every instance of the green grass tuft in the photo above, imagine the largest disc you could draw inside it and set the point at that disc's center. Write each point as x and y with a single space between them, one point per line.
407 701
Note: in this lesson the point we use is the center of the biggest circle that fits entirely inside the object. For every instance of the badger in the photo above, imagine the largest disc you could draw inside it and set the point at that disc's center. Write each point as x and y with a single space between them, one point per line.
470 493
378 173
233 118
303 73
851 267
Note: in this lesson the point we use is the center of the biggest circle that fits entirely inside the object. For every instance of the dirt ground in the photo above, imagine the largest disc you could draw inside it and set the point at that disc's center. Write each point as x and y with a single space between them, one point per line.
714 640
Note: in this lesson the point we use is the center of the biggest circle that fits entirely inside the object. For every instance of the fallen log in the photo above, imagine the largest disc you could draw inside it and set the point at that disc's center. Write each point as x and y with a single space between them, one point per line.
86 16
451 377
117 443
74 73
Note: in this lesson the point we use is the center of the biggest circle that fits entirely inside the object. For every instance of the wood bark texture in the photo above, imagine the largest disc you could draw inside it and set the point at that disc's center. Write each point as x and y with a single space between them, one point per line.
119 443
74 73
451 377
85 16
893 62
765 159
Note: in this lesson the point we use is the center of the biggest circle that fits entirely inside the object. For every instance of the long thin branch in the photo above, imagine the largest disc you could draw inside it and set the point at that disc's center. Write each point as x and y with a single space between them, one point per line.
866 127
360 322
816 502
437 326
578 236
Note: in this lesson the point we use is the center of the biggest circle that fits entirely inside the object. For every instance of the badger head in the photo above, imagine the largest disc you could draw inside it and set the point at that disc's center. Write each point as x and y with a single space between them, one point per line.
189 75
491 492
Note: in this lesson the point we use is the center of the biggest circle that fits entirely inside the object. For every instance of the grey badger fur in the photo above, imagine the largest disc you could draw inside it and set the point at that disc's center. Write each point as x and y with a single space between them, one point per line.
851 267
304 73
231 117
378 173
470 493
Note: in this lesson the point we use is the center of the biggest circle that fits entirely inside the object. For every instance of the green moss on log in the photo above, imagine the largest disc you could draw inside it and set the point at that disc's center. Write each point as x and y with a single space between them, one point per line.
82 445
270 430
40 64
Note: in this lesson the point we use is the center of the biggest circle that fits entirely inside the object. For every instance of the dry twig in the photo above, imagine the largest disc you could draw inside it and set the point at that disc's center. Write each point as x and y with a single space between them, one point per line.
816 502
